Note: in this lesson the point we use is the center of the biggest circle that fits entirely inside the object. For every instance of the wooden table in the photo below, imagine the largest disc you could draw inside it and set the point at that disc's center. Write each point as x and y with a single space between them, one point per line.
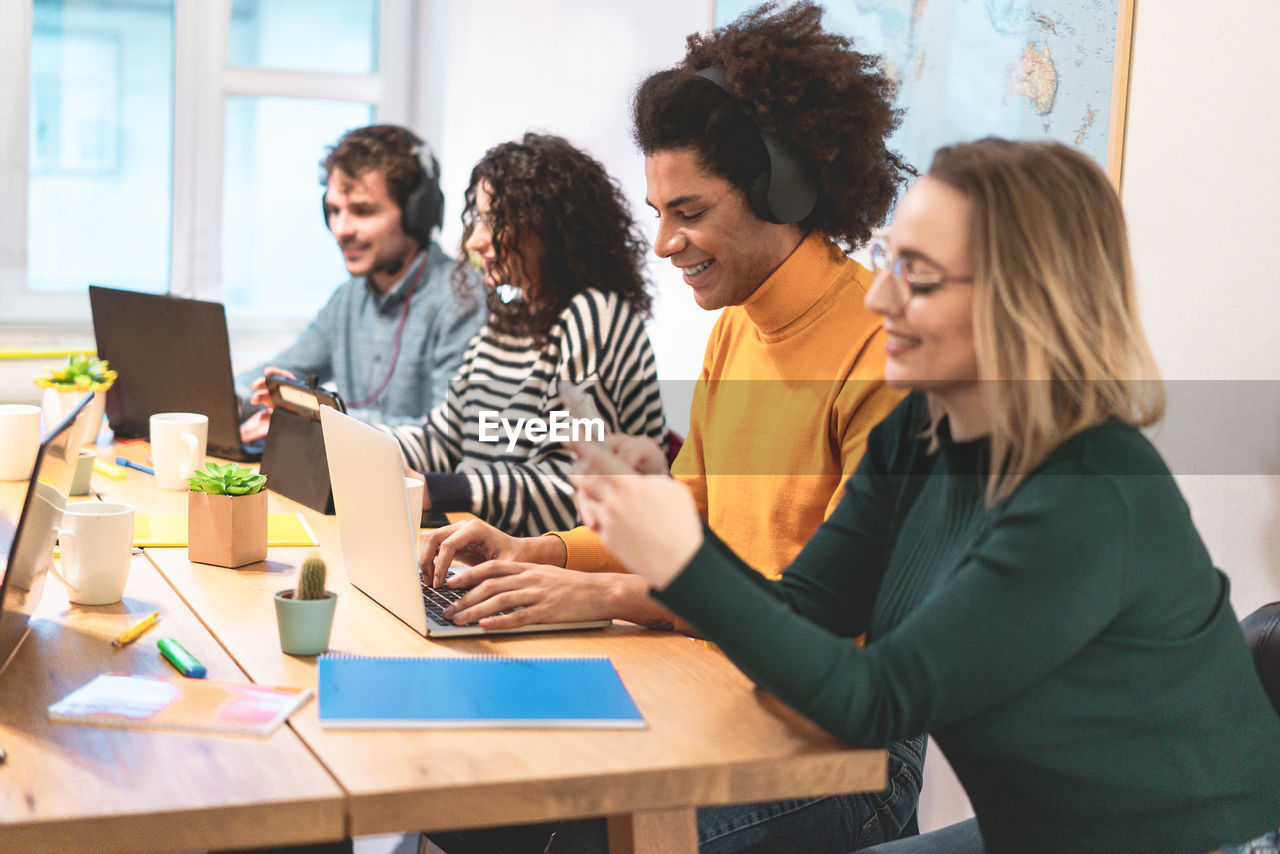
79 788
712 737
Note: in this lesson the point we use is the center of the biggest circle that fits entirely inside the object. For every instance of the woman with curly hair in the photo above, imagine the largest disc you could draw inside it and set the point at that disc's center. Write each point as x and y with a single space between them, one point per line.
554 236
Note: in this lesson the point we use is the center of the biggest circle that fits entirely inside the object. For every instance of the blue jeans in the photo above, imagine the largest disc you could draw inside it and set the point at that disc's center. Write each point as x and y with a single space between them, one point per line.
964 838
1268 843
835 824
960 838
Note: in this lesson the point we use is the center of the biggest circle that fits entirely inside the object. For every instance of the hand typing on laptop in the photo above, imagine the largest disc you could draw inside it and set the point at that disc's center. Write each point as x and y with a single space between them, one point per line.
519 581
508 594
474 542
378 540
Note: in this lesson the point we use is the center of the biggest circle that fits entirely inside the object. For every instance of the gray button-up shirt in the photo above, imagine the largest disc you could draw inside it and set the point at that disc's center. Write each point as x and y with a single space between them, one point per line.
351 343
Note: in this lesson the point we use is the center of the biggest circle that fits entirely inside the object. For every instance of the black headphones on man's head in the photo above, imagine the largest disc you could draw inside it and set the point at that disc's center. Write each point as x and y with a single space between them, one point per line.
422 207
782 193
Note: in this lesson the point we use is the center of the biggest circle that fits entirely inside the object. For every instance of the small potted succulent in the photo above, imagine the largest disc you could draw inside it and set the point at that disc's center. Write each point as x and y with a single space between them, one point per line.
64 387
226 515
304 614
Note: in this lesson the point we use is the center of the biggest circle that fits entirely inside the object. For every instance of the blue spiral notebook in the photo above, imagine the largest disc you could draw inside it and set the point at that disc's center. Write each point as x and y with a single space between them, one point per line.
369 692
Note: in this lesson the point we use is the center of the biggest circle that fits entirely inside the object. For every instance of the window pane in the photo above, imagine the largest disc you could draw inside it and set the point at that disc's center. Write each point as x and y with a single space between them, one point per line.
101 144
278 258
305 35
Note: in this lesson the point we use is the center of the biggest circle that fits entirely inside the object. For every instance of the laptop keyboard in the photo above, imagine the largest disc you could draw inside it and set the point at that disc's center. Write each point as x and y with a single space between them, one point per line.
436 599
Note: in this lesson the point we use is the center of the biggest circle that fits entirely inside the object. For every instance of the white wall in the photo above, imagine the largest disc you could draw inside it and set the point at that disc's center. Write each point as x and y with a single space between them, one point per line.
566 67
1202 194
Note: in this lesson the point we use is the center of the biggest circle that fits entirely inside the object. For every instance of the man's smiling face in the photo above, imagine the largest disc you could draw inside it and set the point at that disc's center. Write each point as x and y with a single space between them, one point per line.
706 228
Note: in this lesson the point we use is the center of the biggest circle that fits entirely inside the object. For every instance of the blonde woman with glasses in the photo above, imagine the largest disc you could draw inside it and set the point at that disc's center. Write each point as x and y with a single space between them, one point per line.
1032 588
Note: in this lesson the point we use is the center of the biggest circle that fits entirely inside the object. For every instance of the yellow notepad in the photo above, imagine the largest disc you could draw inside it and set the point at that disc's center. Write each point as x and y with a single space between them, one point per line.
169 530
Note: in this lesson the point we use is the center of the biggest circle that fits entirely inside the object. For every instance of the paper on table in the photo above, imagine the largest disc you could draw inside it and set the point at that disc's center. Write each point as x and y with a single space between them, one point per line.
172 702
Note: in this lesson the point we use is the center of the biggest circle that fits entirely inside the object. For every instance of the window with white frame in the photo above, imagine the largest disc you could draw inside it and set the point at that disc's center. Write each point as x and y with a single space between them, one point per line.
173 146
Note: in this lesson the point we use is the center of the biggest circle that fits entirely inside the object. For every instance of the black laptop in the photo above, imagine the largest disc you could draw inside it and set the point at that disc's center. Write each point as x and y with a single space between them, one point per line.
29 525
172 355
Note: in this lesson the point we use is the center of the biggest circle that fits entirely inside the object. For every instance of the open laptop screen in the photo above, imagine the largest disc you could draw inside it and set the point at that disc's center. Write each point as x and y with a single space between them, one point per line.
172 355
29 517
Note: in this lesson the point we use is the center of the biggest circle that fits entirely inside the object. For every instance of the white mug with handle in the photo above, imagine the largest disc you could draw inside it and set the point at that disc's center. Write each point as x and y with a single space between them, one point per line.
95 548
178 442
19 440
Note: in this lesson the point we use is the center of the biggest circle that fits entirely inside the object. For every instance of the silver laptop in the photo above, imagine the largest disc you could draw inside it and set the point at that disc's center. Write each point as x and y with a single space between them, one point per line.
29 524
379 542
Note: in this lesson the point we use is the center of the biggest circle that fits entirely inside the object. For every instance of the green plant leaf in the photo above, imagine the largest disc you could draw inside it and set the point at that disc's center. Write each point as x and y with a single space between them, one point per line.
226 479
81 372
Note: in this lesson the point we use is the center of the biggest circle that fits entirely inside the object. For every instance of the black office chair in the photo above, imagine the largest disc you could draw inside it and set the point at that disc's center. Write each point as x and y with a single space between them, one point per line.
674 443
1262 632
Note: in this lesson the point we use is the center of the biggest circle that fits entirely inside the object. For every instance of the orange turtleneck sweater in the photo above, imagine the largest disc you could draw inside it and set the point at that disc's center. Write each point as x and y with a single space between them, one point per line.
792 382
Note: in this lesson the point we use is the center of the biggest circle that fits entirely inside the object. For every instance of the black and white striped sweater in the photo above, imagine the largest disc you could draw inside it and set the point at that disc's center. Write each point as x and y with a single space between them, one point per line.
519 485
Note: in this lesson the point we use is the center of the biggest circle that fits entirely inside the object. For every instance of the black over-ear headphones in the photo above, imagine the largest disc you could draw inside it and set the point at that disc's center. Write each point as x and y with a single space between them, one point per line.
782 193
423 206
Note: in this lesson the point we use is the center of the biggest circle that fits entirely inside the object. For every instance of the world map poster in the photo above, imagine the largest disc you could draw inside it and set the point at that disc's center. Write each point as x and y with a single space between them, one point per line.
1022 69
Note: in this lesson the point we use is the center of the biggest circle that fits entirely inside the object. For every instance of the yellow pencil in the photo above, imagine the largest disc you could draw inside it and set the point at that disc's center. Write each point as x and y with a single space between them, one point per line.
135 631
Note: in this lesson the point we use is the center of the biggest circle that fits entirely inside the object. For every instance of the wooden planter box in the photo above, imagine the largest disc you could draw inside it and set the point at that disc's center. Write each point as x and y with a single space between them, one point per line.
226 530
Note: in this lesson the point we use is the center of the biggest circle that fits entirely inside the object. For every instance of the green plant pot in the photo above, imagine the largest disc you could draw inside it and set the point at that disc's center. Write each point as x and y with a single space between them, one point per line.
304 623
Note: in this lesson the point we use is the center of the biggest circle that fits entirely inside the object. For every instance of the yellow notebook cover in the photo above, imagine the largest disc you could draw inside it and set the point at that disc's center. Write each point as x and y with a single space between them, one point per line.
169 530
173 702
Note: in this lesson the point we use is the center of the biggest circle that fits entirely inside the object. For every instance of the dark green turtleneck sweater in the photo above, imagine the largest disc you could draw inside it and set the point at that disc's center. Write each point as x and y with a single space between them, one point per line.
1072 650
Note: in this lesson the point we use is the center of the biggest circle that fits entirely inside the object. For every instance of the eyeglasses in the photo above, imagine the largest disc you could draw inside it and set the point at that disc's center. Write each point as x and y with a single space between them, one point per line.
907 282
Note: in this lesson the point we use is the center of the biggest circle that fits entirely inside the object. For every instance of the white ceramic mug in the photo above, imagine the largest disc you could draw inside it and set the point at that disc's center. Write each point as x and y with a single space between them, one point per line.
414 490
178 442
19 440
95 545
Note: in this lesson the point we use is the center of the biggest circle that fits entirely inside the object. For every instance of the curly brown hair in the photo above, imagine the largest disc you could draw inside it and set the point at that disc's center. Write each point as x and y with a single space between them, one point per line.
545 192
396 152
831 104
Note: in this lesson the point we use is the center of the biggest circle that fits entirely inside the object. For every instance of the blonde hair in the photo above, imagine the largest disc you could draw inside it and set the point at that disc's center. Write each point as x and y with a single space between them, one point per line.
1059 344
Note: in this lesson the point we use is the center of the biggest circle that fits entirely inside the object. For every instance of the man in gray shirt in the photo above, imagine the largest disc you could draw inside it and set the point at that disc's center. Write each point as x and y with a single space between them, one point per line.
392 336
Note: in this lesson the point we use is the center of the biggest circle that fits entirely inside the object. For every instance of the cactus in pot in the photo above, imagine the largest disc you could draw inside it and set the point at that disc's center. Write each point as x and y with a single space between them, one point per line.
311 579
304 613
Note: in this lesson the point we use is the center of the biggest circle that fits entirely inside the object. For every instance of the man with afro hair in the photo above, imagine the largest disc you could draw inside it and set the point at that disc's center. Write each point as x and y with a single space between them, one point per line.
765 161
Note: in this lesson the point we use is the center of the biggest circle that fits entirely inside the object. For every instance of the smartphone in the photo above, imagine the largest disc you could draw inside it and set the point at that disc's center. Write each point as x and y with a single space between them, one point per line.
297 396
581 407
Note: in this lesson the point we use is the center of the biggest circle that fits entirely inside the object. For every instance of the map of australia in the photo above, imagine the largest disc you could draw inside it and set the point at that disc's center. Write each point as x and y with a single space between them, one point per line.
1022 69
1032 74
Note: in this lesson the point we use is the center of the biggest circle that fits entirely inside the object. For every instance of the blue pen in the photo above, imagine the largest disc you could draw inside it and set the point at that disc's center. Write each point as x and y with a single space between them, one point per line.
130 464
